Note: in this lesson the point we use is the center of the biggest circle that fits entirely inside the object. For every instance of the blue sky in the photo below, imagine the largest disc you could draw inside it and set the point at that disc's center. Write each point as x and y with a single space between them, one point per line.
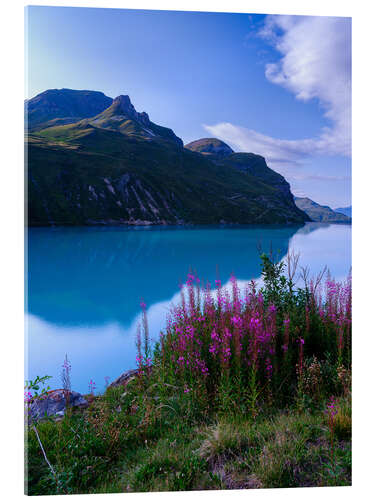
279 86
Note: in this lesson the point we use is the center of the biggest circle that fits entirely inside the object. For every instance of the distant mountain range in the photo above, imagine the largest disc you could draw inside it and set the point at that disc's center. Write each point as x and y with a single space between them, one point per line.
96 160
320 213
346 211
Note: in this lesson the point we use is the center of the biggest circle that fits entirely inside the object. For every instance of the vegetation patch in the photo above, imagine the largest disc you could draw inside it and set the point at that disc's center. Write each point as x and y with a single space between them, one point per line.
246 388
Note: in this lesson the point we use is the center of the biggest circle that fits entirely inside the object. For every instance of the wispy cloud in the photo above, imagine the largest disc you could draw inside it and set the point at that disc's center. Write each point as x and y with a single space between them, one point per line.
325 178
276 151
315 63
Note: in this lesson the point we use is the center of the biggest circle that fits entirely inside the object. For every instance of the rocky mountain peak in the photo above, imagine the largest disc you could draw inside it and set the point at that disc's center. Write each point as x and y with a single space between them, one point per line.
123 106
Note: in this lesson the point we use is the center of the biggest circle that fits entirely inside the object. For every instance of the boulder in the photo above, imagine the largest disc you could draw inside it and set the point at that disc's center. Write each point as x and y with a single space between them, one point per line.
53 403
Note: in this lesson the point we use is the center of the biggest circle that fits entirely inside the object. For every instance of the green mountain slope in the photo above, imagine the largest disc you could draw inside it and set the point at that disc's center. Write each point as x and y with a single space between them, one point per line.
119 167
250 163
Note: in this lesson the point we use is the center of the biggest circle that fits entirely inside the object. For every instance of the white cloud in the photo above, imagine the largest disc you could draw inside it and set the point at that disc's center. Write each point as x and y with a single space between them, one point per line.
276 151
315 63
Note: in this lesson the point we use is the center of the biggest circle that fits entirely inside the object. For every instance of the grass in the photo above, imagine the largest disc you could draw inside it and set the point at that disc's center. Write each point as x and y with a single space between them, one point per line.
242 391
285 449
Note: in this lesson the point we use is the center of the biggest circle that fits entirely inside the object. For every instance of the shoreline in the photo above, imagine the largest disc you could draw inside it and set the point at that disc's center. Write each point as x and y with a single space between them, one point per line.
228 225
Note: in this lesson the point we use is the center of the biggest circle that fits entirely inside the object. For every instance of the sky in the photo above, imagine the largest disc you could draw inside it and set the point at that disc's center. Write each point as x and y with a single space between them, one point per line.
278 86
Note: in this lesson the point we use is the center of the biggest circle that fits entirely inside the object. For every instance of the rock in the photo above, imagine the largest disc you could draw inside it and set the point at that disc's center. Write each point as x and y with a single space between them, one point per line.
124 378
53 403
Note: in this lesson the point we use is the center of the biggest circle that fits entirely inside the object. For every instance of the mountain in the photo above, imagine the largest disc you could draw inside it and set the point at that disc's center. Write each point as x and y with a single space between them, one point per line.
320 213
256 166
346 211
61 106
210 146
122 117
250 163
118 167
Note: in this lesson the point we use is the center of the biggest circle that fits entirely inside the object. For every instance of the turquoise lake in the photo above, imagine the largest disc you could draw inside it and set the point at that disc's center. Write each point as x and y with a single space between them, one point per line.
84 285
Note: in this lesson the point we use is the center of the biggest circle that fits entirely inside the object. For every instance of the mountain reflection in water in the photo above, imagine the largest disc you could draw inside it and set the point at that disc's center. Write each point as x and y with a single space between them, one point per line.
85 283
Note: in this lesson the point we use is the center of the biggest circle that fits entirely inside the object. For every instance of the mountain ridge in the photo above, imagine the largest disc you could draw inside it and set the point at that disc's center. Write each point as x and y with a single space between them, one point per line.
109 169
320 213
345 210
64 103
121 116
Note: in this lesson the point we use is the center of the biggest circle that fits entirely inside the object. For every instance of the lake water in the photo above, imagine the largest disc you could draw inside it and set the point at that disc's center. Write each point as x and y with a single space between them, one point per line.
84 284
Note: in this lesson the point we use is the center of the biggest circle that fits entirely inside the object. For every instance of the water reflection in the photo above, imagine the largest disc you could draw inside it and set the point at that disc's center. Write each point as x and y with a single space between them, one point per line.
85 284
92 276
322 245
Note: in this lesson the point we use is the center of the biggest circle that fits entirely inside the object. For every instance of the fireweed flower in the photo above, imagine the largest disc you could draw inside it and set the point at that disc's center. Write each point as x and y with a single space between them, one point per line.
260 303
255 330
237 321
27 396
331 409
215 344
190 279
301 342
232 328
268 369
235 294
142 304
92 387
